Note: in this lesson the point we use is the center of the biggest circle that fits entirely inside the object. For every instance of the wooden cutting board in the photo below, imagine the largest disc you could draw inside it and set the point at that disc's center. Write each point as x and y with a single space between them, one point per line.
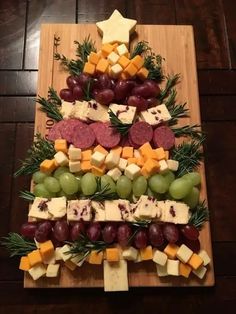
176 45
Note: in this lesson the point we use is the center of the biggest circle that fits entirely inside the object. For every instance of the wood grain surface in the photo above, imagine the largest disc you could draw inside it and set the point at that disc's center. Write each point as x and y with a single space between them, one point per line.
176 45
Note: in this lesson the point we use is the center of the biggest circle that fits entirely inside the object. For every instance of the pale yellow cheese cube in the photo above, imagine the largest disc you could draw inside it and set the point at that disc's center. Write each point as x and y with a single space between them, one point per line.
162 270
74 153
37 271
64 252
112 160
113 58
116 69
74 166
132 171
184 253
115 173
97 159
172 267
61 159
159 257
205 257
122 50
122 164
200 272
52 270
130 254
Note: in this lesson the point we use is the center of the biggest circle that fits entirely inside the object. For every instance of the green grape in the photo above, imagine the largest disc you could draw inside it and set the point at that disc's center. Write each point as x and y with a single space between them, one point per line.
179 188
60 171
168 196
88 184
52 184
139 186
78 177
123 186
192 198
68 197
108 180
158 183
39 176
41 191
194 177
157 196
68 183
169 177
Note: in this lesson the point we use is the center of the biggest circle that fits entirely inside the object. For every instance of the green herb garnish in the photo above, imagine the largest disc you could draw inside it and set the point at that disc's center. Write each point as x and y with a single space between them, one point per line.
17 245
170 83
122 128
103 193
192 131
153 63
83 50
200 215
140 48
27 195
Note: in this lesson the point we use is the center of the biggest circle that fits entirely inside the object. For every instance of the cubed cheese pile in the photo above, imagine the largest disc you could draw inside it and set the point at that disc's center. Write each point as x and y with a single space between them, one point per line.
114 59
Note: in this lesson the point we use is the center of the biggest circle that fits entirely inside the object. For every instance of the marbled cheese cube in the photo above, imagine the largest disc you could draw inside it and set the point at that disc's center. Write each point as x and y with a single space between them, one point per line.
79 209
98 210
162 270
132 171
117 210
146 208
115 173
112 160
57 207
122 164
173 267
37 271
74 153
97 112
130 254
205 257
74 166
52 270
61 159
39 209
175 212
200 272
159 257
184 253
173 165
125 113
97 159
155 115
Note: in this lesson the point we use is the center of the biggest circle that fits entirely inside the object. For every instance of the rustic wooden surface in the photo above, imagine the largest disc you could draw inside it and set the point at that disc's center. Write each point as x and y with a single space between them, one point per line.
214 26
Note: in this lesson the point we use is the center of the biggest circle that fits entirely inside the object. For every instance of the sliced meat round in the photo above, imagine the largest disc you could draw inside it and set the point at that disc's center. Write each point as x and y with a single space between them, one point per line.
55 131
124 141
140 133
83 136
67 131
164 137
107 136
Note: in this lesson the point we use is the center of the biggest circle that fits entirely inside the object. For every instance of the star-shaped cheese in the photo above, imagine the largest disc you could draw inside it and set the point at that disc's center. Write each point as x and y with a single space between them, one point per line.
116 28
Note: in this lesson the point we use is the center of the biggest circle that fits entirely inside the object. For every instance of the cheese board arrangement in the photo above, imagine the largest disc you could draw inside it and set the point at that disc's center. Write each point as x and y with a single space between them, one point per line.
118 193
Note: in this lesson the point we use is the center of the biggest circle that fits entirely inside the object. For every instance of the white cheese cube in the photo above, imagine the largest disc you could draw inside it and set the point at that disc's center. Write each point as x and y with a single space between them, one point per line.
117 210
163 113
63 251
126 114
39 209
115 276
37 271
115 173
112 160
122 164
130 254
57 207
97 112
175 212
159 257
61 159
57 254
79 209
113 58
97 159
172 267
162 270
98 211
200 272
67 109
132 171
137 153
116 69
74 153
52 270
78 260
80 110
163 166
146 208
173 165
74 166
122 50
184 253
205 257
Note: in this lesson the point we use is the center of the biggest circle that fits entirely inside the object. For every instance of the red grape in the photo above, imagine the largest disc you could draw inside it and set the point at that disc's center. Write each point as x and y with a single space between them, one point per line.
143 90
152 102
28 230
122 89
104 81
67 95
190 232
105 96
76 230
41 236
109 232
170 232
192 245
140 239
45 226
154 89
155 235
94 231
83 79
124 233
78 93
137 101
61 230
72 81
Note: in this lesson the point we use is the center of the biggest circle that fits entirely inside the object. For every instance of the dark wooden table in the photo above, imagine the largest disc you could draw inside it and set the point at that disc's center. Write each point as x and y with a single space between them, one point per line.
214 24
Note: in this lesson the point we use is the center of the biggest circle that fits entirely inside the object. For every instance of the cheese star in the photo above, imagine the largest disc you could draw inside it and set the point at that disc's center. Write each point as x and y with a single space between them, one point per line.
116 28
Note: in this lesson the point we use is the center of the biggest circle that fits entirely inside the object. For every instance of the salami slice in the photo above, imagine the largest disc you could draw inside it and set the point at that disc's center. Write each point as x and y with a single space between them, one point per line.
55 131
83 136
140 133
124 141
164 137
67 131
107 136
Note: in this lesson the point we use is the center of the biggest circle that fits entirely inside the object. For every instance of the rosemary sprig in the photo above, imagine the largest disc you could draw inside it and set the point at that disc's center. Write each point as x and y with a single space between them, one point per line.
27 195
87 90
103 193
170 83
177 111
57 40
140 48
74 67
170 101
83 50
17 245
192 131
51 105
122 128
189 156
200 215
40 150
153 63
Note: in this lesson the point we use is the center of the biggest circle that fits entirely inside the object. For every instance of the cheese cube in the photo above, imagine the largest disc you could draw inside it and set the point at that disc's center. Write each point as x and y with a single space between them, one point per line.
46 249
74 166
163 166
123 61
130 254
144 172
171 250
146 253
127 152
132 171
146 208
34 258
74 153
115 276
117 150
138 61
162 270
60 145
93 57
97 159
102 65
122 50
48 166
195 261
98 171
124 76
113 58
50 258
172 267
117 210
130 70
200 272
152 166
85 165
37 271
115 173
115 70
146 150
61 159
205 257
142 74
89 68
159 257
96 111
95 257
24 263
184 270
132 160
101 149
57 254
79 209
173 164
112 254
155 115
140 162
70 265
86 154
137 154
122 164
107 49
52 270
184 253
64 252
98 211
175 212
112 160
160 153
57 207
78 260
39 209
125 113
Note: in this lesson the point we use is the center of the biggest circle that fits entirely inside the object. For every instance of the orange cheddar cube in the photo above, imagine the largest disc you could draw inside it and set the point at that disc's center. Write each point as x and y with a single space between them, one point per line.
70 265
123 61
117 150
195 261
48 165
89 68
132 160
124 76
34 258
137 61
171 250
142 74
60 145
184 270
102 65
151 165
95 257
146 253
46 249
94 58
98 171
140 161
100 149
127 152
144 172
24 263
146 149
85 165
167 154
130 70
107 49
112 254
115 45
160 153
86 154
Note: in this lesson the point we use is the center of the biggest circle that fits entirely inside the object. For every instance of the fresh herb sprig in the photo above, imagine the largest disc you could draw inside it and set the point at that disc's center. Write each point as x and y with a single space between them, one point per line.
17 245
172 80
200 215
103 192
140 48
177 111
40 150
192 131
84 49
122 128
27 196
153 63
87 90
